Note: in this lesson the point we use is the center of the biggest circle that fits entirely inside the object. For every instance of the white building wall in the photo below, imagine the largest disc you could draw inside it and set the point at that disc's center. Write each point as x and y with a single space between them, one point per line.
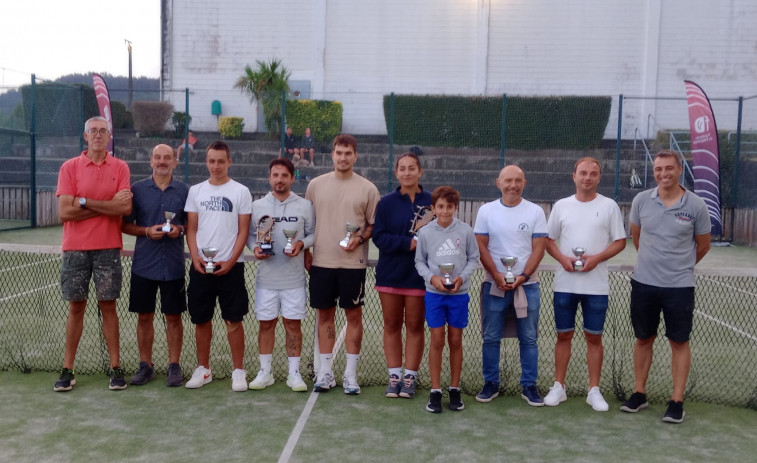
356 52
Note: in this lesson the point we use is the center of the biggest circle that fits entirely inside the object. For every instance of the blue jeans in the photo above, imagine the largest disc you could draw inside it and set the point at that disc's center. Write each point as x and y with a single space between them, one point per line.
494 310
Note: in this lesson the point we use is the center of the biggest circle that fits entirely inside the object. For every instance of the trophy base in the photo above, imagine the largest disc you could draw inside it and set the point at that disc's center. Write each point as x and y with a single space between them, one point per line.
268 251
166 229
578 267
210 270
344 244
448 286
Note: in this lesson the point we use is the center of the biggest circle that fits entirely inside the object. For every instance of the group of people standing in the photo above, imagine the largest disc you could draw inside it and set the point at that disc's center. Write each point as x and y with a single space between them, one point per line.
423 273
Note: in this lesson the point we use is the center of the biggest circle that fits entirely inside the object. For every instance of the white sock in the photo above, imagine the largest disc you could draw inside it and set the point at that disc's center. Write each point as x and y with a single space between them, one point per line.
436 390
294 364
453 388
412 373
396 372
265 362
351 367
327 361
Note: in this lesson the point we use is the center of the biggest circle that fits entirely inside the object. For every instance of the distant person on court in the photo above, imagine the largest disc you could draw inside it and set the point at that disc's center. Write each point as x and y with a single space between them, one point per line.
189 141
280 278
158 262
290 144
670 228
511 226
446 257
337 272
218 222
592 225
93 194
401 290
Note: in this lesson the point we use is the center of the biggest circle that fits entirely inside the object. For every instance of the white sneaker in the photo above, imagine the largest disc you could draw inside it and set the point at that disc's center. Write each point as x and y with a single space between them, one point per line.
239 380
556 395
262 380
350 385
294 380
595 399
324 381
200 377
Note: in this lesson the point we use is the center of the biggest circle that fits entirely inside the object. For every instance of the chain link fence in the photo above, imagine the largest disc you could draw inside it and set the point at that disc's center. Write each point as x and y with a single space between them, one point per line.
724 341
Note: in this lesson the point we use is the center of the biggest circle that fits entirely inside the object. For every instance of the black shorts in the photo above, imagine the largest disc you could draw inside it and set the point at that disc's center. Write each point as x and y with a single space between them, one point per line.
173 296
676 304
230 290
327 285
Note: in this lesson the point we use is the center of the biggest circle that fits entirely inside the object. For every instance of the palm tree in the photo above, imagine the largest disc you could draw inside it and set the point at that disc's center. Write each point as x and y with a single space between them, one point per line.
265 85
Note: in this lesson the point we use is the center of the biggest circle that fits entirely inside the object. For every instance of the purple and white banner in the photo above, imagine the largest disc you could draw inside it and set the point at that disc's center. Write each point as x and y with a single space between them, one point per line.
705 153
103 102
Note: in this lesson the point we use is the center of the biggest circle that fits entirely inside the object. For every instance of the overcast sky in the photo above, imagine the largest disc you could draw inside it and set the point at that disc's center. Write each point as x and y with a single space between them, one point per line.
51 38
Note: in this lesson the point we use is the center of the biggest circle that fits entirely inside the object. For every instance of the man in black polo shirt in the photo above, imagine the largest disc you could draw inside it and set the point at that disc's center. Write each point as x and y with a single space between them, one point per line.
158 261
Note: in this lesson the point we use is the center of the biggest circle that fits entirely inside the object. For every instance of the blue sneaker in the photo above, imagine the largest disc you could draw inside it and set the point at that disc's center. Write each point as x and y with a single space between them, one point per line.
531 395
65 382
488 392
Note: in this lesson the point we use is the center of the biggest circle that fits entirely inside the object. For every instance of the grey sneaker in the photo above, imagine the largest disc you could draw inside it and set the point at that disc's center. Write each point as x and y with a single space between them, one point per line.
394 387
144 373
65 381
117 381
408 387
174 375
324 382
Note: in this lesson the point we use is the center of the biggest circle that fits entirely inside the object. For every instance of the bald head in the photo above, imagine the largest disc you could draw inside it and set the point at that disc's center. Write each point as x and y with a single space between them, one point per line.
511 182
163 161
163 149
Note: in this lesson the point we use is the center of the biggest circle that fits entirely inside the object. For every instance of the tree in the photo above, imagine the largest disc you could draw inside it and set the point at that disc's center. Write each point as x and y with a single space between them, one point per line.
265 85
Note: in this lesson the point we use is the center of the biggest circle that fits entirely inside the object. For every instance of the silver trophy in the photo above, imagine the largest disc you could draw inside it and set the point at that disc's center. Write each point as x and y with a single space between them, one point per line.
350 230
578 265
169 217
289 246
446 270
265 225
210 253
509 262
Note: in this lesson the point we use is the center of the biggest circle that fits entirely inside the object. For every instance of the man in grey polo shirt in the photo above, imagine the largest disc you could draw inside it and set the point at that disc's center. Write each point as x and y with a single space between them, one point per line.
670 227
158 262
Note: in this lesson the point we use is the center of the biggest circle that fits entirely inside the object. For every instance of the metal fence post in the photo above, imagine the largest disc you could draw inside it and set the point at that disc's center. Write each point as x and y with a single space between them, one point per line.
33 150
736 162
391 143
502 142
186 135
283 120
617 148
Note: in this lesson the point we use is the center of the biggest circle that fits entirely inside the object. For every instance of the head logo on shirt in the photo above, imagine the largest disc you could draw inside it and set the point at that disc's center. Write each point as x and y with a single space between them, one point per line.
218 203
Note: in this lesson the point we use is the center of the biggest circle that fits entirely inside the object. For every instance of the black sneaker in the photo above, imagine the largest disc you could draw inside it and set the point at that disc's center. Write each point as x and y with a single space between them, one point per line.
65 381
675 412
394 387
637 401
144 374
488 392
117 381
174 375
455 402
531 395
434 404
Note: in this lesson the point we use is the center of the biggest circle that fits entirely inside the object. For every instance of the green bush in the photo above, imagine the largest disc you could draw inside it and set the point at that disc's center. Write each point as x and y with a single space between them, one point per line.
117 110
128 120
230 127
180 123
570 122
323 117
150 117
60 110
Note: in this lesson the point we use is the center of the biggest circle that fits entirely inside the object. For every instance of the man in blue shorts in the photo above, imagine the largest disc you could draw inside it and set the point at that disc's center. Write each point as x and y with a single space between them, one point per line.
670 227
593 222
158 262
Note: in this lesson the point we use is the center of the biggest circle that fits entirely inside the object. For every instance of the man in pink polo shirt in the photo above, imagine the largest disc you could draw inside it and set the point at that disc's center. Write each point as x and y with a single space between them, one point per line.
93 194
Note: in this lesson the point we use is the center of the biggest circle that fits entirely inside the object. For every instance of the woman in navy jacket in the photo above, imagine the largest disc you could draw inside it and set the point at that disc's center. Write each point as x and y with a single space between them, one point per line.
400 288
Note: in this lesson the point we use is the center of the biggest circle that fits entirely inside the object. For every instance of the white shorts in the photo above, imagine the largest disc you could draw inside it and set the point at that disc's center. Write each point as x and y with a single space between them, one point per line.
289 303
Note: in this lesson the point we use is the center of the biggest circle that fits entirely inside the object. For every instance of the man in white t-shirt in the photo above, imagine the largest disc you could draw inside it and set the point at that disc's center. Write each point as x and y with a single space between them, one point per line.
594 223
218 216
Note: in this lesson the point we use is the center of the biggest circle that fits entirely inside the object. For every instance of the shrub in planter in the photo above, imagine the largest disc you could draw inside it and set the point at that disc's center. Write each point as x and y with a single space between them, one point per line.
150 117
231 127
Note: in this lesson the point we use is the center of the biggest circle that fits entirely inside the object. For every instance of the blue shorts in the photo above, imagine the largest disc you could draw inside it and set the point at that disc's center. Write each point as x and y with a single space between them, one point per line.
593 308
449 309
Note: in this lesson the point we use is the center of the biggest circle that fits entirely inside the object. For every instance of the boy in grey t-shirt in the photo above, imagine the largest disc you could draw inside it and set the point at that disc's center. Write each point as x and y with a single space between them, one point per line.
446 246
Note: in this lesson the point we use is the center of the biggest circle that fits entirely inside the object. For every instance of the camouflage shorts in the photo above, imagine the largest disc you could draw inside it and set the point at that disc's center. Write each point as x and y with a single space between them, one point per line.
79 266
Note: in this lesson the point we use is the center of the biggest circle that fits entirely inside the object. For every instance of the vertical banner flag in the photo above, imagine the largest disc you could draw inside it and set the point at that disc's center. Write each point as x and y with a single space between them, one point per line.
103 102
705 153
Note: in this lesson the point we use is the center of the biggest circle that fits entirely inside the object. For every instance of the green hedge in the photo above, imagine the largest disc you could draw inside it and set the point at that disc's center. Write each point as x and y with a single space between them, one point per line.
323 117
230 127
118 112
151 117
570 122
60 109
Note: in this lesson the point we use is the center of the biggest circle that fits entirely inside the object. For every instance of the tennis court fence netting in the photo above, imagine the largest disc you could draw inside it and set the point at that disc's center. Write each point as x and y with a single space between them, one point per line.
724 341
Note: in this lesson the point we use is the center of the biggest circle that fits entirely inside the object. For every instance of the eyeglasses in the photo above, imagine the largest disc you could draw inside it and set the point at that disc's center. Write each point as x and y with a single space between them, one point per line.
102 132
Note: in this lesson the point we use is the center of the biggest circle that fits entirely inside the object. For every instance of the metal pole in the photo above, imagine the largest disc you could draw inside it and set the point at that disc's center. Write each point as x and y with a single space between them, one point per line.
736 162
131 87
618 146
391 143
186 135
33 150
502 141
283 121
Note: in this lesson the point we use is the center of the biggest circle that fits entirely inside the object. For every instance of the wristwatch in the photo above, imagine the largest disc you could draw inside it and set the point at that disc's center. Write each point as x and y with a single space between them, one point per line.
83 203
362 240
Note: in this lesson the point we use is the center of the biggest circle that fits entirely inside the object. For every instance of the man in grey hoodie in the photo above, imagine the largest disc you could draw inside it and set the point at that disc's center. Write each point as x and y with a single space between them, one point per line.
280 279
